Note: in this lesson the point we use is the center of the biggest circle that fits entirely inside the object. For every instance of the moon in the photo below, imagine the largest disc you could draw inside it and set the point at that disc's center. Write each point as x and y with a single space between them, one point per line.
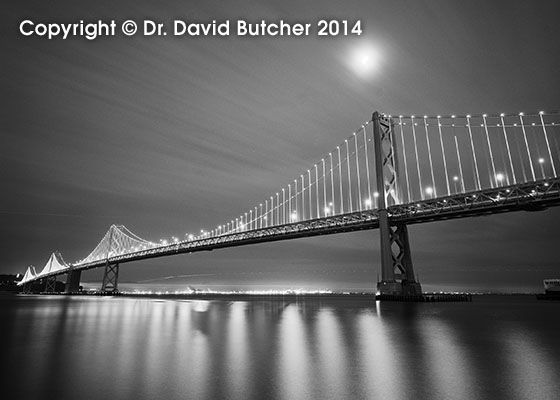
364 60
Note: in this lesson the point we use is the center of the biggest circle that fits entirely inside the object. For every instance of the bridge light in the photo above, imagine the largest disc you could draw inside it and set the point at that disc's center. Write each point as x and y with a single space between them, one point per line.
376 194
453 116
455 178
439 116
541 160
499 177
429 190
521 114
327 210
368 202
541 112
502 115
468 115
412 116
484 115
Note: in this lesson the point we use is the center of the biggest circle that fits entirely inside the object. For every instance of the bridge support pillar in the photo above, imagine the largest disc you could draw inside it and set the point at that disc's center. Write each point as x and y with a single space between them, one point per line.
397 273
50 284
73 281
110 278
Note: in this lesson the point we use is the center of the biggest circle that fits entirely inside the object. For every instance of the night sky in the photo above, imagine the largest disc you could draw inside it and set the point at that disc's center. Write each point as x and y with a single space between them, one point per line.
171 135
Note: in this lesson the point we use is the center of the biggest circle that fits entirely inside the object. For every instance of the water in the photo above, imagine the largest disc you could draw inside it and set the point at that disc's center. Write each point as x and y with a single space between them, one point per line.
502 347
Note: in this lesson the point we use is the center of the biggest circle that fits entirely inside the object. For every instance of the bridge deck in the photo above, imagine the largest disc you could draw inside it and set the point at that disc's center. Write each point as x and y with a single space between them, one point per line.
532 196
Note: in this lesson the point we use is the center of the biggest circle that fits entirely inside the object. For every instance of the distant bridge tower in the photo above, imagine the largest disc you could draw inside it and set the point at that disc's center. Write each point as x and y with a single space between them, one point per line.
397 273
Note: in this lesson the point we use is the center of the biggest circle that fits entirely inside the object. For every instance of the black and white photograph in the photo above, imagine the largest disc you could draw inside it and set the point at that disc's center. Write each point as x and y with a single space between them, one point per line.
284 200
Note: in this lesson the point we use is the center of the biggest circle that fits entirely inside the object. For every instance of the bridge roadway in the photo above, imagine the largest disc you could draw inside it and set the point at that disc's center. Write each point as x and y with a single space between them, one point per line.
533 196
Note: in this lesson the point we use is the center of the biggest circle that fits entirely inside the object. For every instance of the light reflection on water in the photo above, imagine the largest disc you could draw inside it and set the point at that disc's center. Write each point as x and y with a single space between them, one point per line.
278 348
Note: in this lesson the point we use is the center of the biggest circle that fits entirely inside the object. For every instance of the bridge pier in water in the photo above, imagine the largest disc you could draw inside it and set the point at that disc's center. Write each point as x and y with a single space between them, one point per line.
73 281
397 272
50 284
110 278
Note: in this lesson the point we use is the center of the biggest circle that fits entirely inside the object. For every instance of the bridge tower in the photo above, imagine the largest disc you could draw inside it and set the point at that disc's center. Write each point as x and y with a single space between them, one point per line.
111 274
397 272
110 278
73 281
50 284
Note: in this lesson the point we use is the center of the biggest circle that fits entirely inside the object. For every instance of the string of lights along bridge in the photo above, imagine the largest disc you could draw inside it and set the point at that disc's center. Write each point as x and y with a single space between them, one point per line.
391 172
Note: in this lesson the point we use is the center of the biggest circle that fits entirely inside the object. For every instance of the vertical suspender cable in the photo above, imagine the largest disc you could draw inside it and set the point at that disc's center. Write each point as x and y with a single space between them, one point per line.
332 185
367 167
492 181
289 202
443 155
340 180
527 145
473 152
310 206
277 208
283 206
430 157
405 162
296 197
349 179
302 198
507 147
416 153
460 166
317 190
358 174
547 144
324 186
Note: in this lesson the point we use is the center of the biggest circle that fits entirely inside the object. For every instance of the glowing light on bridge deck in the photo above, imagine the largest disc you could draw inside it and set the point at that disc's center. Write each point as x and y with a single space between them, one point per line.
294 216
499 177
429 190
368 203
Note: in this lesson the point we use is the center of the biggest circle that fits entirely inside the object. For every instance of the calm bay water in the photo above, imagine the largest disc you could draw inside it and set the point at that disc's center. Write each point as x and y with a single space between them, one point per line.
502 347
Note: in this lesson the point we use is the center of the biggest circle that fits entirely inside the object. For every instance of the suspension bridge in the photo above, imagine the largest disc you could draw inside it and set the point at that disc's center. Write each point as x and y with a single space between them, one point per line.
390 173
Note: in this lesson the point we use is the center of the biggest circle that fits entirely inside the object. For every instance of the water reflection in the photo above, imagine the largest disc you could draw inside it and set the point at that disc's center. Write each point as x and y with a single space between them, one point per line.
277 348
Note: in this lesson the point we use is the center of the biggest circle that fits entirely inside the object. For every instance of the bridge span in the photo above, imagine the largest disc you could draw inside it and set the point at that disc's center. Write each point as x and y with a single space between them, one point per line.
391 173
